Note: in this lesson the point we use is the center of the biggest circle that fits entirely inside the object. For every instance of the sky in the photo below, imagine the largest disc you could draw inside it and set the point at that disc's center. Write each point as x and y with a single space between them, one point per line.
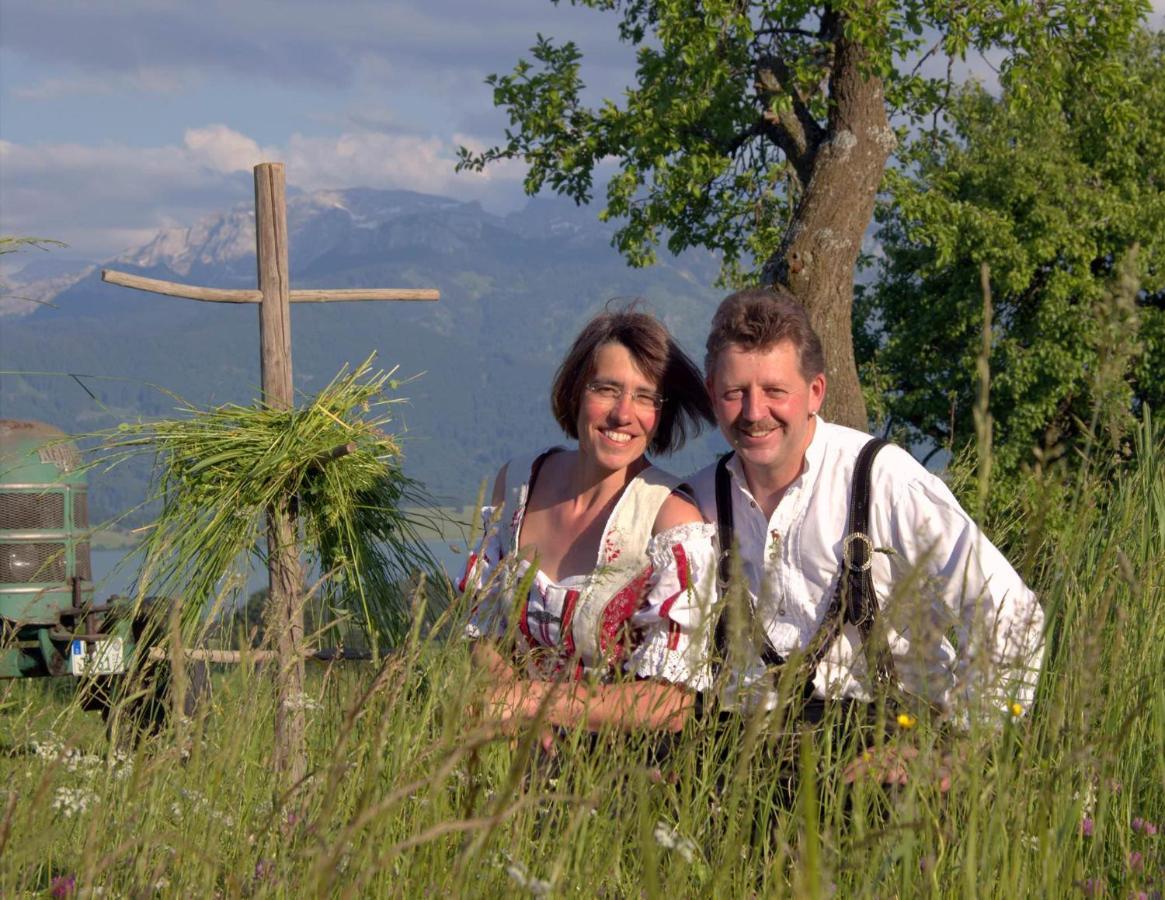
120 117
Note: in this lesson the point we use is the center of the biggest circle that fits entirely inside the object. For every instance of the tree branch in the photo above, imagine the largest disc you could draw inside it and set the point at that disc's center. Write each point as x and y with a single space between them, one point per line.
797 134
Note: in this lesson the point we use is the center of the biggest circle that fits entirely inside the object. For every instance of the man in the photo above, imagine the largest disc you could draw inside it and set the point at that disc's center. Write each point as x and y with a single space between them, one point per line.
788 486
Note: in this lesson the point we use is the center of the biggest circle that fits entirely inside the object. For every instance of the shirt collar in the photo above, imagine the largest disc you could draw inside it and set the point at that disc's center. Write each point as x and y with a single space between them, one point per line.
815 452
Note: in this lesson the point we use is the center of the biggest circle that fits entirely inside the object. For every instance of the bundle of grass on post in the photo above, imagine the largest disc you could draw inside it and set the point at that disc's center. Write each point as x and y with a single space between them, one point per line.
219 470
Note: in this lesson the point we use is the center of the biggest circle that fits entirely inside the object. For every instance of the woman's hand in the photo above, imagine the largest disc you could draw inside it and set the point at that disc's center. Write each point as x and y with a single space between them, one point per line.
485 656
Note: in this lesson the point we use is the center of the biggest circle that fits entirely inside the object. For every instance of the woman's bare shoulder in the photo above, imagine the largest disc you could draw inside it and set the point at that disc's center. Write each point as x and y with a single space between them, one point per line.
677 509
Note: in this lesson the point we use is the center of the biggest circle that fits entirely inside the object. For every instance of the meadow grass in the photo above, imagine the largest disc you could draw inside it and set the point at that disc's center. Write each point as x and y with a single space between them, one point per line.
411 794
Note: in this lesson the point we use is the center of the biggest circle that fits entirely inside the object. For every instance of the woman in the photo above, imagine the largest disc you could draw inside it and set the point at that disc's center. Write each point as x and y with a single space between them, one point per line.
594 573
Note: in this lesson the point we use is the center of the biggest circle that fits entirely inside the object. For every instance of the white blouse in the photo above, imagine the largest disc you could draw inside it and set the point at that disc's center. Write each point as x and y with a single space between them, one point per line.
656 625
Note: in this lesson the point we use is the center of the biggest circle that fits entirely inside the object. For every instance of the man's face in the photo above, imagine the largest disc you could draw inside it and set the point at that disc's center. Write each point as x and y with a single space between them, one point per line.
765 408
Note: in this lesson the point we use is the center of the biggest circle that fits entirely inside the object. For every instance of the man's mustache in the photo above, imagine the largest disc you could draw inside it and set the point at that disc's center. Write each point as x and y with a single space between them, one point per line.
759 425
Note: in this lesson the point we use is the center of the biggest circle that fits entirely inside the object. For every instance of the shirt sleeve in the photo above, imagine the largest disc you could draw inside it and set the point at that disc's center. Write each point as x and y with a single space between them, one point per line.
675 619
488 614
973 590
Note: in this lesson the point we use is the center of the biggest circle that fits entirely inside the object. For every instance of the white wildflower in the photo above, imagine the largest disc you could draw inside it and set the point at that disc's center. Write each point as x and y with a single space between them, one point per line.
536 886
72 801
302 701
76 761
668 838
48 749
1087 800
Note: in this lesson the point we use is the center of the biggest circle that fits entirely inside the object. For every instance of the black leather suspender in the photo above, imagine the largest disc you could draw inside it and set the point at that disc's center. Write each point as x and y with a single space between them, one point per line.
853 602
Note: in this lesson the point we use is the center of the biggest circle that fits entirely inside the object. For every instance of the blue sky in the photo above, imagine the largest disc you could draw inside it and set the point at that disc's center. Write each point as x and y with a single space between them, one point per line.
119 117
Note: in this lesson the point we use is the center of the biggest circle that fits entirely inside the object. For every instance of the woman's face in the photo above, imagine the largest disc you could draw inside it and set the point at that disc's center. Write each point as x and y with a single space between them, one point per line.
616 418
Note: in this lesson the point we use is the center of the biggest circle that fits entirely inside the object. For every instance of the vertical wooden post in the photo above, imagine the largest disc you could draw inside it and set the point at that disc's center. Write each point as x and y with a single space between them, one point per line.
285 605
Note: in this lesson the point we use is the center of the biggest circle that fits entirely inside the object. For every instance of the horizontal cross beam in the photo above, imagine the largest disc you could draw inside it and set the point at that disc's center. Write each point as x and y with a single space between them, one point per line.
221 295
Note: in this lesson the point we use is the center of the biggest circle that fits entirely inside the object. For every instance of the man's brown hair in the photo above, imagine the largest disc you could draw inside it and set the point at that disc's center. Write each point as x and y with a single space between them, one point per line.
759 317
686 406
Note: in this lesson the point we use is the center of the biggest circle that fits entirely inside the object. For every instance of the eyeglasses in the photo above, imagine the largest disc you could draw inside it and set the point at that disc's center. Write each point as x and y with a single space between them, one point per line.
609 394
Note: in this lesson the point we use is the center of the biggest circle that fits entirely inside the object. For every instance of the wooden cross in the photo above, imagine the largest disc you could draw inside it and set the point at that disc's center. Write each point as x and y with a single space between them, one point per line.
274 297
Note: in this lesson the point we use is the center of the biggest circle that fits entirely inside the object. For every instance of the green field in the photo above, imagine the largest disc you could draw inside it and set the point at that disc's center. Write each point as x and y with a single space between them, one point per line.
411 795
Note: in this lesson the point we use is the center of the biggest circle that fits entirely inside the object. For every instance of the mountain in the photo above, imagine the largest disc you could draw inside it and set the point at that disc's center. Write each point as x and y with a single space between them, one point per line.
515 290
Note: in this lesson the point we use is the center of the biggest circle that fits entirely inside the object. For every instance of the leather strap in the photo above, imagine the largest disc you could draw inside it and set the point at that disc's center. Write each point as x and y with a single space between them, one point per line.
853 602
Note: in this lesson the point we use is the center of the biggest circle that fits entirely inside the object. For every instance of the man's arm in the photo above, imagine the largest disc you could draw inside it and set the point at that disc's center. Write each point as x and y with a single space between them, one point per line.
997 621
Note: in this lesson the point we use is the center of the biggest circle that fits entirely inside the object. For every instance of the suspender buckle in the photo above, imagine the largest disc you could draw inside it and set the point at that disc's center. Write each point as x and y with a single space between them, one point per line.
847 552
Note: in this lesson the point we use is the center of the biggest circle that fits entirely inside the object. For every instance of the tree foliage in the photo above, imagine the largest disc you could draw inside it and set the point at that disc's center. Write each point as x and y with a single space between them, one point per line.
762 129
1063 196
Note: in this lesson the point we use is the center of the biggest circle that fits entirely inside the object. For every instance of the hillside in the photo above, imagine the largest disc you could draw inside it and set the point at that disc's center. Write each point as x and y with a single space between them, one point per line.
515 289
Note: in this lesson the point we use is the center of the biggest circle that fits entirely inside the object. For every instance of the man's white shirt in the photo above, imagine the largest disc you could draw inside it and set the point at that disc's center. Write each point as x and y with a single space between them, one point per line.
934 574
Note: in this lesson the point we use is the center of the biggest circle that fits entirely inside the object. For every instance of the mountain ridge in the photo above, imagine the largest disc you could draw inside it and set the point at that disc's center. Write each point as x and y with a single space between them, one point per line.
515 290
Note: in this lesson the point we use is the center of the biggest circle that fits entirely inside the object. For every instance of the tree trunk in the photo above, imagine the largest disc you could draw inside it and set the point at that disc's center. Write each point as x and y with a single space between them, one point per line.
816 260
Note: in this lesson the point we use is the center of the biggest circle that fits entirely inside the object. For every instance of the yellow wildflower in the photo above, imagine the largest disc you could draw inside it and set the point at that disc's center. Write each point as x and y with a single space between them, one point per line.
905 720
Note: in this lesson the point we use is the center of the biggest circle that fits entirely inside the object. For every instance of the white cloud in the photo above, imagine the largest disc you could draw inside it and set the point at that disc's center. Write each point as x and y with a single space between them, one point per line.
104 198
223 149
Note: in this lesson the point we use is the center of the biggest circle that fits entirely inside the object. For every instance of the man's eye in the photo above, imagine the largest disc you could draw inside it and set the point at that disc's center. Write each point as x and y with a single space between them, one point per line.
775 392
733 395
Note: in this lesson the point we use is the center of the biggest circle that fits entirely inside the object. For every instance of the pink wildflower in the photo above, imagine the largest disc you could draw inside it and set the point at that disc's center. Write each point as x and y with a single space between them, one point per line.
63 886
1086 827
1136 861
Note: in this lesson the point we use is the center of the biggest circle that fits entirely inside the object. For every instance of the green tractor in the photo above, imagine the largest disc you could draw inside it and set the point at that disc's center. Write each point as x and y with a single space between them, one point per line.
50 624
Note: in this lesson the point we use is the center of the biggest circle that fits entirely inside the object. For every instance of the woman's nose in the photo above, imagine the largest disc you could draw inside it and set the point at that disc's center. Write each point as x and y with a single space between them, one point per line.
624 406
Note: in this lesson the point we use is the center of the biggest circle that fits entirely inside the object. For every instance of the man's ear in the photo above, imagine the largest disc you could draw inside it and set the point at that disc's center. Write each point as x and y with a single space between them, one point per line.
816 392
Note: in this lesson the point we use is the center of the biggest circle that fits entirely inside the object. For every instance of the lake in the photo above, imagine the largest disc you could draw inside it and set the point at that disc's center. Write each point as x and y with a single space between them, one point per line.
114 573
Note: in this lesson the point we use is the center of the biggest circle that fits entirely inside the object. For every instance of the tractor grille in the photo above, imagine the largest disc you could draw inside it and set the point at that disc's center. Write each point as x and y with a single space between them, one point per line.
31 563
80 509
32 512
82 568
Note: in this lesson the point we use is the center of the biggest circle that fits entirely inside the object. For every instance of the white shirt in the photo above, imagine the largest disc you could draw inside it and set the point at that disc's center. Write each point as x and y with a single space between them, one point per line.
934 574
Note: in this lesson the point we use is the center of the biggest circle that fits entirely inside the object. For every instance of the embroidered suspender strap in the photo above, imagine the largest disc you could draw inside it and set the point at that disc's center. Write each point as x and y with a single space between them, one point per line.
855 586
726 531
853 601
724 525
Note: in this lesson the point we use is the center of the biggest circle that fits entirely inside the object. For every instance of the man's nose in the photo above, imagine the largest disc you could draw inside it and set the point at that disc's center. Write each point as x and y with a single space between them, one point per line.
752 404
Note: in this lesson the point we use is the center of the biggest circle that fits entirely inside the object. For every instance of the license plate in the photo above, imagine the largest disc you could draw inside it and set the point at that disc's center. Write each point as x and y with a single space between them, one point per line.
106 657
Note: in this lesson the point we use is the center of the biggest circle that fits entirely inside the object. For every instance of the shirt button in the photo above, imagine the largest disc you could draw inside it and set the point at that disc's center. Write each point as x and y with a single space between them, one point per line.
752 503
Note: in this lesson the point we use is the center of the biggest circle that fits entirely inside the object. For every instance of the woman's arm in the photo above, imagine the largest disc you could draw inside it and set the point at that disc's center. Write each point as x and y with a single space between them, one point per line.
630 706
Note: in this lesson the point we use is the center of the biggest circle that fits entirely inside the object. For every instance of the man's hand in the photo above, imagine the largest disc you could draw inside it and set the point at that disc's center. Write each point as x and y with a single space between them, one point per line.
891 766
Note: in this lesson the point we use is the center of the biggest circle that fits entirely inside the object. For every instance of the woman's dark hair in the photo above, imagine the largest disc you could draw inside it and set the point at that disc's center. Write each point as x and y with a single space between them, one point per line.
686 406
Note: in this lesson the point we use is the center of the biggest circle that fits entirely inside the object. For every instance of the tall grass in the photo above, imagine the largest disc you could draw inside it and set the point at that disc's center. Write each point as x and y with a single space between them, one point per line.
218 471
411 794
